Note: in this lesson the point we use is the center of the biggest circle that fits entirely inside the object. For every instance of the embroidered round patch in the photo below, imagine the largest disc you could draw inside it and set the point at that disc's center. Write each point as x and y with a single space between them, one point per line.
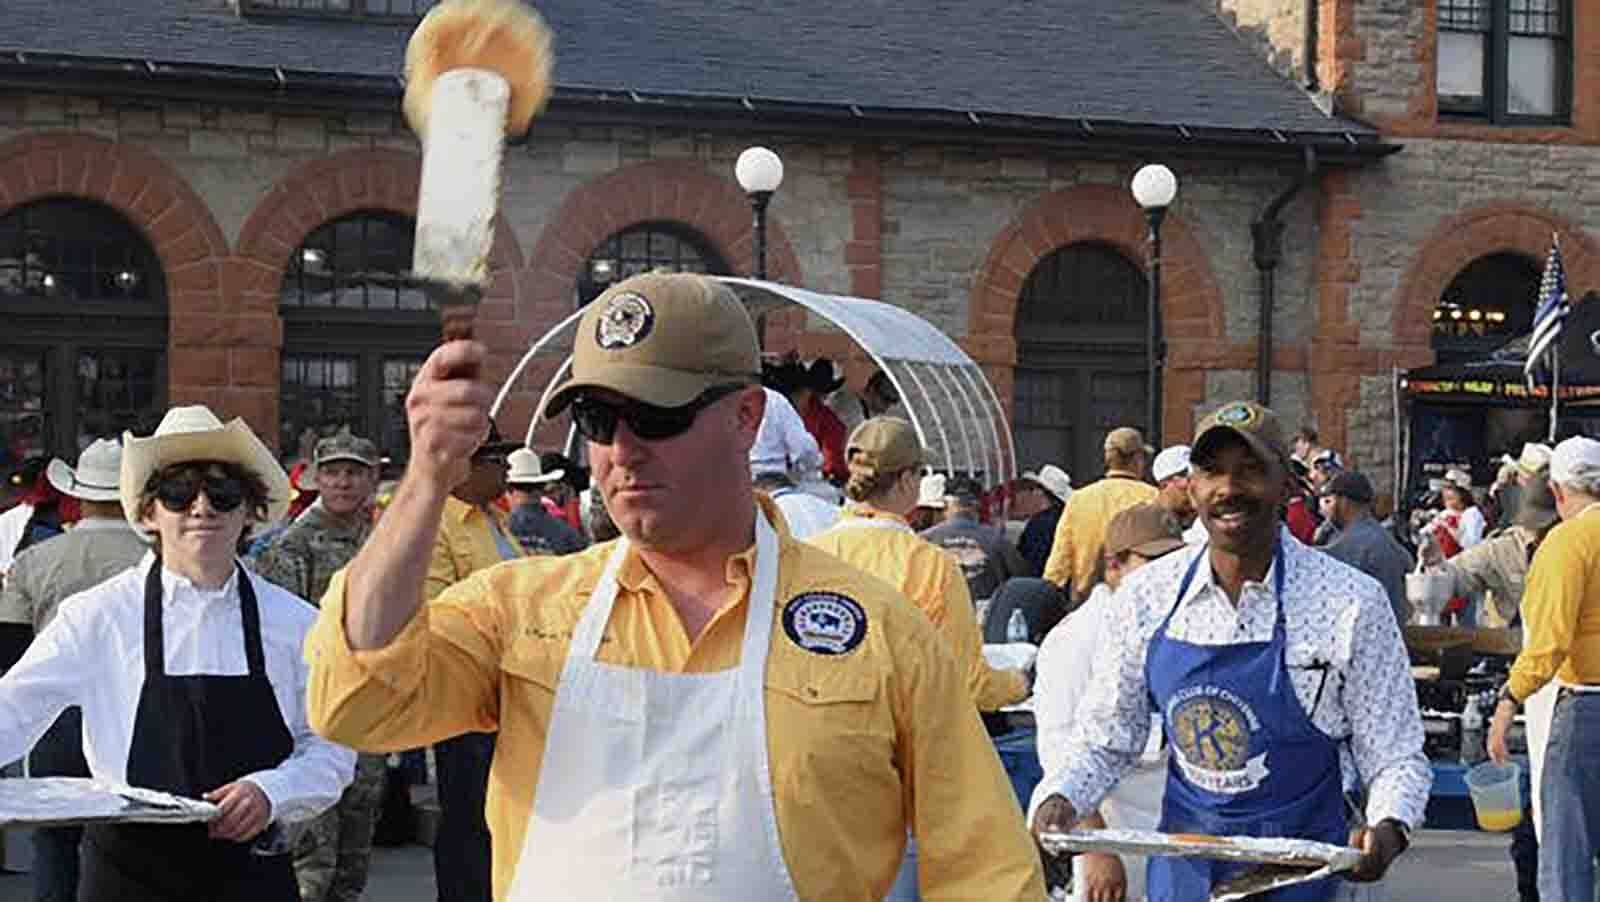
624 322
1239 416
825 623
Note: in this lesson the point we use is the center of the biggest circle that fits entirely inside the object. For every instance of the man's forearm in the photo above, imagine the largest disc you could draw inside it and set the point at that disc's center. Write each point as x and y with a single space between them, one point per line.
384 585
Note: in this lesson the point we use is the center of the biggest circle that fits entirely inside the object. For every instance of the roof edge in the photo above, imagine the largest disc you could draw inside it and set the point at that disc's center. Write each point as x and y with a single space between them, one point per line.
165 80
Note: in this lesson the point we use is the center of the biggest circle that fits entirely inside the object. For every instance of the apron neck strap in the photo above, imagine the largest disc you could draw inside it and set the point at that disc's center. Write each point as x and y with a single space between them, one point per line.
155 645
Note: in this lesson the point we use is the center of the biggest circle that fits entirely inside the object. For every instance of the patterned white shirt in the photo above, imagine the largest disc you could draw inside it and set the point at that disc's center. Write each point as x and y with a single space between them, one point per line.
1345 655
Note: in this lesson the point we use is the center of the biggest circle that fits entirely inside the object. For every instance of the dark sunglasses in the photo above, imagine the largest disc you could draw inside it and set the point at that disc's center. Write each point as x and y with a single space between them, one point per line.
177 492
597 420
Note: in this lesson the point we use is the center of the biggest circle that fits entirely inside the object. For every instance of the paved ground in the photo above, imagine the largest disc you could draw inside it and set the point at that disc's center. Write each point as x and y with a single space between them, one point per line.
1443 864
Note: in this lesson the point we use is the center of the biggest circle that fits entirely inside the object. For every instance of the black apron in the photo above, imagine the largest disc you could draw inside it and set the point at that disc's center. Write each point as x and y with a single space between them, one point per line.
193 734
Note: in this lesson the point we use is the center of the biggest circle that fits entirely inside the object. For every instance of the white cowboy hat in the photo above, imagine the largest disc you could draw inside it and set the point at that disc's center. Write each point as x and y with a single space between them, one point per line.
1173 461
525 469
95 478
1052 479
930 491
195 433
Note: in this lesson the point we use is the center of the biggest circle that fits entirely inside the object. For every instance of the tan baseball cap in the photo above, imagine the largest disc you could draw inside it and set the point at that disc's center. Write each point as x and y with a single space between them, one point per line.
883 445
1144 529
662 338
1257 425
1127 441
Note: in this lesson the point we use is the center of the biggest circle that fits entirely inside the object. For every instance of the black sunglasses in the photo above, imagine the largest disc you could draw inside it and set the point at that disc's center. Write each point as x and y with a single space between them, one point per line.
597 420
177 492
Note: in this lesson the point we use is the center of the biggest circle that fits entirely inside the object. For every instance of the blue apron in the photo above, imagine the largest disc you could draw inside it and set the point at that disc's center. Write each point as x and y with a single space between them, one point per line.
1246 758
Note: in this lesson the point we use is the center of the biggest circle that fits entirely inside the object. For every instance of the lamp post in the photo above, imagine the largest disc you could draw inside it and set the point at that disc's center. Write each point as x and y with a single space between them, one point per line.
760 172
1154 187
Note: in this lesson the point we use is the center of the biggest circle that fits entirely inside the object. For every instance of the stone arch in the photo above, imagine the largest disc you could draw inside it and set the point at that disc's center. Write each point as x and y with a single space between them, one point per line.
1487 229
327 188
681 192
1191 299
140 186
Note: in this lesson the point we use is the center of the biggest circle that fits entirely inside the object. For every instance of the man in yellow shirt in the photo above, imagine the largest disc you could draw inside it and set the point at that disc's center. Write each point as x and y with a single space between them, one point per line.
474 534
1561 627
703 709
1081 535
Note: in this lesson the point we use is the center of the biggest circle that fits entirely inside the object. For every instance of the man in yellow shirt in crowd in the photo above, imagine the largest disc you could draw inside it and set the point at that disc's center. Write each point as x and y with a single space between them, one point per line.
1074 562
474 534
1561 625
705 708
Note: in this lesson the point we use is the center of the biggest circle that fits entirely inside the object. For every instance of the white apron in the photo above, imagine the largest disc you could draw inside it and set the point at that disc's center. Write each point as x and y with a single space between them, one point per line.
656 786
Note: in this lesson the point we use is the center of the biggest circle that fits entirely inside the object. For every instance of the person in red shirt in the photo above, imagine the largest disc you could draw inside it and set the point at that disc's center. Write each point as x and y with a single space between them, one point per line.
1299 513
805 387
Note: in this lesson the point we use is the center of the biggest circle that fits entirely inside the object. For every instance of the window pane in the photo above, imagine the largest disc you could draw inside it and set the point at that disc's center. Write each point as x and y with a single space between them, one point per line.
319 394
1532 76
75 250
1460 81
1535 17
116 392
398 372
645 248
358 262
1468 15
24 426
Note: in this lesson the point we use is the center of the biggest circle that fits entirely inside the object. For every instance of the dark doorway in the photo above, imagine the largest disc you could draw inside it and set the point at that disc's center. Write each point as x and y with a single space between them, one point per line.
1080 332
1488 304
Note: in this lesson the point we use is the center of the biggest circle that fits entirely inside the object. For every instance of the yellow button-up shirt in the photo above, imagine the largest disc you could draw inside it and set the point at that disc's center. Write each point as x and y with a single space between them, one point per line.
861 745
1081 533
1561 609
465 544
930 579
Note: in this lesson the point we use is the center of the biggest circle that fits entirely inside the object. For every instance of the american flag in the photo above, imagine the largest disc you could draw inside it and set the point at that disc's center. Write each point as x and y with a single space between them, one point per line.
1550 315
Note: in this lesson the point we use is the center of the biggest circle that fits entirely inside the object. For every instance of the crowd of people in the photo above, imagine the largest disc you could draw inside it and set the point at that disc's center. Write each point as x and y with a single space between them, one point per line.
754 646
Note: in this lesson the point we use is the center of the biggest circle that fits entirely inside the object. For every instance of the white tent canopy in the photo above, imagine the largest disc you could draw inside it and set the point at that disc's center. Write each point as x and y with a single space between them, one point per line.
947 398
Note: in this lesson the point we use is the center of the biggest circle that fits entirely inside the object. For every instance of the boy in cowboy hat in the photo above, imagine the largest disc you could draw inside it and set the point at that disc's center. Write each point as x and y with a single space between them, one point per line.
101 545
190 676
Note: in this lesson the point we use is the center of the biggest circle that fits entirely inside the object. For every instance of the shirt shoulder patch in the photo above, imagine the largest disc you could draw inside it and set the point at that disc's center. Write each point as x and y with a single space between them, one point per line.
825 623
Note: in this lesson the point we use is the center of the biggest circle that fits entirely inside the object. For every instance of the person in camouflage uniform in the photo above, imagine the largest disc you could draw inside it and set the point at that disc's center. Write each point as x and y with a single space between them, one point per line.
333 853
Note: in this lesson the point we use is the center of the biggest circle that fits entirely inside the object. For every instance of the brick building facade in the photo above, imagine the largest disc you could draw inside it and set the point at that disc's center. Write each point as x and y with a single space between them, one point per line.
227 187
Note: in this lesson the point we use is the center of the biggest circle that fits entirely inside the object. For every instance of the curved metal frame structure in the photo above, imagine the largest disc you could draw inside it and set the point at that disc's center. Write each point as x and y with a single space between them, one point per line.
949 401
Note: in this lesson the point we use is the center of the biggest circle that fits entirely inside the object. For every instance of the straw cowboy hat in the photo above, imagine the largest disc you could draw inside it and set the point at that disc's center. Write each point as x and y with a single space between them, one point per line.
195 433
95 478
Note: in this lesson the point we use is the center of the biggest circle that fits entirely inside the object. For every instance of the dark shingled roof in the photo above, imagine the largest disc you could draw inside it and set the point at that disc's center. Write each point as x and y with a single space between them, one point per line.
1137 62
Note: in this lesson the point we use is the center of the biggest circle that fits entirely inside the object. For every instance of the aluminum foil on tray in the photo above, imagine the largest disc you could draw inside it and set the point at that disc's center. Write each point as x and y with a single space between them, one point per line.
64 801
1276 861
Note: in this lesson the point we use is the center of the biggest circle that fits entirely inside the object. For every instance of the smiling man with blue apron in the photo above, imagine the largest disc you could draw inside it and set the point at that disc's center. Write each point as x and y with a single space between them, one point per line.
1264 659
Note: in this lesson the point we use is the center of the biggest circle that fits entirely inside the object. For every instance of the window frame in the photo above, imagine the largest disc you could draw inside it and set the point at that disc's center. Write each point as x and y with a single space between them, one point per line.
1496 66
358 11
369 335
612 250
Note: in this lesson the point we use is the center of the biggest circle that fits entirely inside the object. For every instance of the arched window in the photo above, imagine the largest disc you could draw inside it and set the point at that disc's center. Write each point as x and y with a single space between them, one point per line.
644 248
1488 304
1080 330
83 351
355 332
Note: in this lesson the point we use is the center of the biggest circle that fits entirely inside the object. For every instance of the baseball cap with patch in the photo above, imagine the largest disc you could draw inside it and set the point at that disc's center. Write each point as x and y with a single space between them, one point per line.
663 339
1257 426
883 445
1144 529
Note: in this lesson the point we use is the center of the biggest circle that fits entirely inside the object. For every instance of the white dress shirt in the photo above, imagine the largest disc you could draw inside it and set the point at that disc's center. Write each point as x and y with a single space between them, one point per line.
1473 524
92 655
806 514
782 443
1346 660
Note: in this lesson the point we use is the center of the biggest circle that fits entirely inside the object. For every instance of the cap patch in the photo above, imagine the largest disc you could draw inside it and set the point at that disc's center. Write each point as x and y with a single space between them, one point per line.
624 322
1238 416
825 623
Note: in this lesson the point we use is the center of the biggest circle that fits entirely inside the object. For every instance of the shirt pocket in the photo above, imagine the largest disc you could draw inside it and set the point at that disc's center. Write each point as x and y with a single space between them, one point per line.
530 674
831 736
